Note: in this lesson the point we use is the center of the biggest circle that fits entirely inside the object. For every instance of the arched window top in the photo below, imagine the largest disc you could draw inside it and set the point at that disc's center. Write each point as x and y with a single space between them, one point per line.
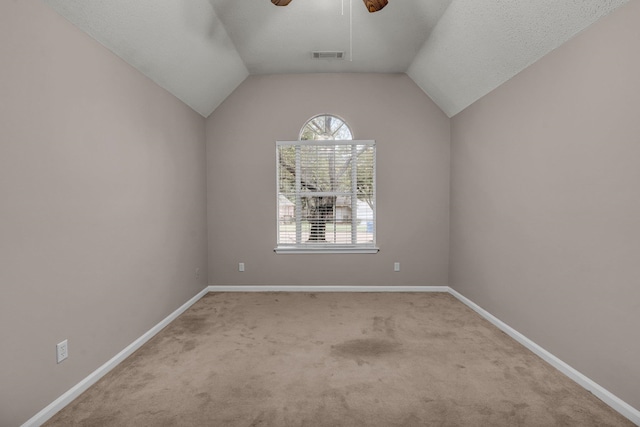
326 127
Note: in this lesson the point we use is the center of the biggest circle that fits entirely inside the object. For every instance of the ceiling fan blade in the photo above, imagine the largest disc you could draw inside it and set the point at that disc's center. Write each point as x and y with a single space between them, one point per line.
374 5
281 2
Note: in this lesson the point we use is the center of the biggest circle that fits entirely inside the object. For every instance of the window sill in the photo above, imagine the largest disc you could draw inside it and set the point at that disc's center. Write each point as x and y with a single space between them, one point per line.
325 250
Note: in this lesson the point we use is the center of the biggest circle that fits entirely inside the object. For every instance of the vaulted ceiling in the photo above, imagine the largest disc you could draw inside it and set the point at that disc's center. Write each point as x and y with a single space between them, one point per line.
455 50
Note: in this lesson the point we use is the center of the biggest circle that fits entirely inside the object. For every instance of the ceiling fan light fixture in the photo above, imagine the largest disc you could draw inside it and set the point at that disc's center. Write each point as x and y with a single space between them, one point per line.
281 2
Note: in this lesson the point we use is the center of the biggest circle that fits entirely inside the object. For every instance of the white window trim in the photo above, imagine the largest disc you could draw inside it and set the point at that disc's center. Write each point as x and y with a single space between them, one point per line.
319 248
345 250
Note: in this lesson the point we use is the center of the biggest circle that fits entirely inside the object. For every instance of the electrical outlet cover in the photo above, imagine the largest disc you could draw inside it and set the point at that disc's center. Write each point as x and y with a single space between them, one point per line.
62 351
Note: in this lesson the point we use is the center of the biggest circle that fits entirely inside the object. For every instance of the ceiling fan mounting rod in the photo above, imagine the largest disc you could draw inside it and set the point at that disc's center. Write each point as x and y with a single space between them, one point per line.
371 5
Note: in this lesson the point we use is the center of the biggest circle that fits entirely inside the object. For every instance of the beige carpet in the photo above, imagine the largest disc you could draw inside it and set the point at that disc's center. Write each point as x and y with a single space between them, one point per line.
334 359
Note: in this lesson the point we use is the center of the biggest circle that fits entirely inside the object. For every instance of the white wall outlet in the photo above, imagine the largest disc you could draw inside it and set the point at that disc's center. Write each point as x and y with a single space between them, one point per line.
396 266
241 266
62 351
197 273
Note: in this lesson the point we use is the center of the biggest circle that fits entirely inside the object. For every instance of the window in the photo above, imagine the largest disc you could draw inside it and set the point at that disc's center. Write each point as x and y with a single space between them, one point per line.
326 190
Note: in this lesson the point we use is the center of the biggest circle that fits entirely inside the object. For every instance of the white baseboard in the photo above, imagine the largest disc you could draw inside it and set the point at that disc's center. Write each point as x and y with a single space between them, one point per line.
48 412
317 289
628 411
603 394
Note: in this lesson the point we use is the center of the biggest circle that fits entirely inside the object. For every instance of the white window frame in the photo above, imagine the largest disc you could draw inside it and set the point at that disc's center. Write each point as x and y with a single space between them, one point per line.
325 248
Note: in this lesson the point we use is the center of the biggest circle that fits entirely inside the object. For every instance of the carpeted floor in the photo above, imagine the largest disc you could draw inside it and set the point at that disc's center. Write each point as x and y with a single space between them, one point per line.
334 359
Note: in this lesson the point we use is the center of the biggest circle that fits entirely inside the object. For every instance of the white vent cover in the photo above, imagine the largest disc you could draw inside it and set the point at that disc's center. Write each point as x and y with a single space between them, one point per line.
327 55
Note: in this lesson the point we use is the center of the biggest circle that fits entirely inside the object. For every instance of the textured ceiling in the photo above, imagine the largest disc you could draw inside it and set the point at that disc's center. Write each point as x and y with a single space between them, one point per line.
455 50
280 39
480 44
180 44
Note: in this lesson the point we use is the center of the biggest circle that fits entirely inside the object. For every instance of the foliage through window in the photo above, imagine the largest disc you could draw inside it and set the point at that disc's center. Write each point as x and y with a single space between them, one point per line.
326 190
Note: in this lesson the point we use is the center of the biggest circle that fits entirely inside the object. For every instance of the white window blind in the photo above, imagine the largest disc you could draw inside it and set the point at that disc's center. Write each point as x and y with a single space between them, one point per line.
326 196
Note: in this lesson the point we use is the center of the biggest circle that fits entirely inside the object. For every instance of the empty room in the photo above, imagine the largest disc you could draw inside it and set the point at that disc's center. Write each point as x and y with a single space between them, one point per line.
319 213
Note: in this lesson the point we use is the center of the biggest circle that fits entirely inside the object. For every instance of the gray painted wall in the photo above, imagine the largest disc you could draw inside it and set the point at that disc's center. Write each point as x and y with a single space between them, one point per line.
102 206
546 203
412 137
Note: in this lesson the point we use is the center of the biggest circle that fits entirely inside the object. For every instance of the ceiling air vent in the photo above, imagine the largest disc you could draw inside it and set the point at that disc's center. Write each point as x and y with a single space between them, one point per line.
327 55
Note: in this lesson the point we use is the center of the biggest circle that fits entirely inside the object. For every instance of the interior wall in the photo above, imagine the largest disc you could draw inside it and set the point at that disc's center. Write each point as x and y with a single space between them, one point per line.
102 206
412 137
546 202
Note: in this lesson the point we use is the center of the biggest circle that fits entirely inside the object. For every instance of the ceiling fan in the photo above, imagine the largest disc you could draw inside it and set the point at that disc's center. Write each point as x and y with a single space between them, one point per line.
372 5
